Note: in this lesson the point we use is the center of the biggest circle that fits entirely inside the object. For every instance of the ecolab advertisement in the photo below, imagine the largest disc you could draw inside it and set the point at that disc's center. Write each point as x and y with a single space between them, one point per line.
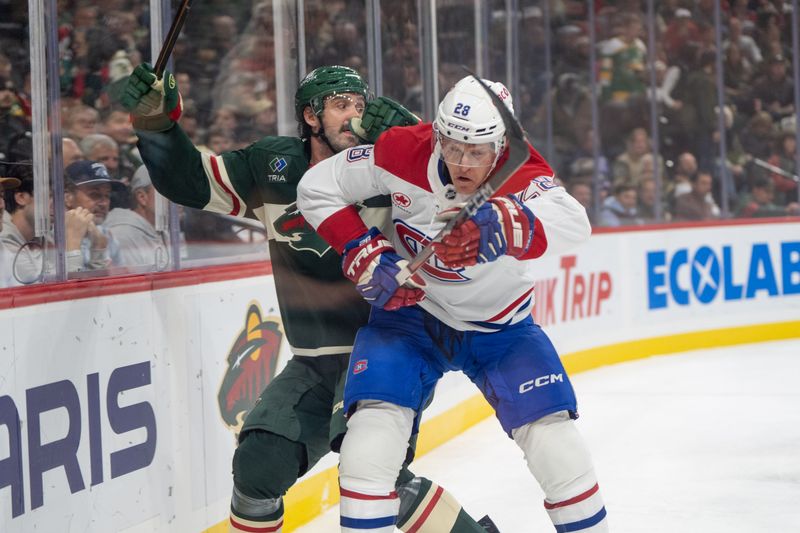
625 286
119 413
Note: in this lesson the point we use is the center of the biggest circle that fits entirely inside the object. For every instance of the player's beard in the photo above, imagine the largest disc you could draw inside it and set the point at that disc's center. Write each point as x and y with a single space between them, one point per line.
342 139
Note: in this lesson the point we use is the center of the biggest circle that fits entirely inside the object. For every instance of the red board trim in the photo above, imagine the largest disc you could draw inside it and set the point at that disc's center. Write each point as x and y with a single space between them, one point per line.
92 288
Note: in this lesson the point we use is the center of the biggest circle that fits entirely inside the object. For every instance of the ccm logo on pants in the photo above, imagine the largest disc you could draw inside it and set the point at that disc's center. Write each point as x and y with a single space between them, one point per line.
541 381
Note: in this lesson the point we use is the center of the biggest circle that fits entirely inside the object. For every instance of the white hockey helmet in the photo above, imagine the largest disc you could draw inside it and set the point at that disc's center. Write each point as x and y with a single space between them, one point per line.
467 115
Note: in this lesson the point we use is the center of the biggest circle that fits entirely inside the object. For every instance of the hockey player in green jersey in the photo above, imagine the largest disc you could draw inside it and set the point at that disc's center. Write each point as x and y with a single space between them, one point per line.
291 426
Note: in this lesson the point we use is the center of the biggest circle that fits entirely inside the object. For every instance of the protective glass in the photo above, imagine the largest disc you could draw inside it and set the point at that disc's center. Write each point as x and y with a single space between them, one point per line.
464 154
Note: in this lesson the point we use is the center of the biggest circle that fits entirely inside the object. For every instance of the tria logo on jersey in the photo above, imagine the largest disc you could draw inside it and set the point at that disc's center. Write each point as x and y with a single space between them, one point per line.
278 164
414 241
703 275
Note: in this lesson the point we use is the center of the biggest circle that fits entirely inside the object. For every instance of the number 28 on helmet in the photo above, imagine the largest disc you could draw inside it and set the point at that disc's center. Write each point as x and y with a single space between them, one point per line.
469 130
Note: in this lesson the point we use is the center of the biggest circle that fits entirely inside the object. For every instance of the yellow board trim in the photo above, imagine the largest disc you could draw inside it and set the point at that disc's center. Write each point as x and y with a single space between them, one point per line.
309 498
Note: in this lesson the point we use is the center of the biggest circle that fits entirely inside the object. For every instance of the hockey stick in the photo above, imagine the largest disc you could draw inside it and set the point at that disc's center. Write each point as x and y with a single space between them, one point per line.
518 154
776 170
172 37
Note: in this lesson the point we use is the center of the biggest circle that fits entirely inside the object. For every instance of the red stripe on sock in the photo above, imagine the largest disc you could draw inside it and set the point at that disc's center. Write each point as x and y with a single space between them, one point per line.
428 510
576 499
251 529
358 496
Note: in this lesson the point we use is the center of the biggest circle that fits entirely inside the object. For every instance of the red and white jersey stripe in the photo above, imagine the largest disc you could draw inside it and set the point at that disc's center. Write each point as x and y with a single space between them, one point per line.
403 165
224 198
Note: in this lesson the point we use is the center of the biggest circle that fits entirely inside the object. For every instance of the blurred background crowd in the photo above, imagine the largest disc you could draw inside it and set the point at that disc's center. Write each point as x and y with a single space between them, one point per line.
570 79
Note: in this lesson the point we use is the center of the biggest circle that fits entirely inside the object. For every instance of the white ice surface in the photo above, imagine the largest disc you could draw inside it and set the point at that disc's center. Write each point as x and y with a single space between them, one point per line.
702 442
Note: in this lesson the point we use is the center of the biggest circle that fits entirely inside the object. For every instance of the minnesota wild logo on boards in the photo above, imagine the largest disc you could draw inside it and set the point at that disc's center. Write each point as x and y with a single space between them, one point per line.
251 366
298 233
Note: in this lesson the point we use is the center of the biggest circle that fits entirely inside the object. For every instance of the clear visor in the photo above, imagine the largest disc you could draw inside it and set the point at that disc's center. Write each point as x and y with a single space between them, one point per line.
465 154
344 101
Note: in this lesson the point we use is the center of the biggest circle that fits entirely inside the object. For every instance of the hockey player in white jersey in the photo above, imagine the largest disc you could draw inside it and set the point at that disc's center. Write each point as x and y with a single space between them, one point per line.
468 308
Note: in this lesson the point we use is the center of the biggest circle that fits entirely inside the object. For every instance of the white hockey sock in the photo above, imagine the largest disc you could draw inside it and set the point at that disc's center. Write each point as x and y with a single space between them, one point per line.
372 453
361 512
560 462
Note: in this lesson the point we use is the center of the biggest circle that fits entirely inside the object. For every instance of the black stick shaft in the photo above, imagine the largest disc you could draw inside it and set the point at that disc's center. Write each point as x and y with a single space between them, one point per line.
172 37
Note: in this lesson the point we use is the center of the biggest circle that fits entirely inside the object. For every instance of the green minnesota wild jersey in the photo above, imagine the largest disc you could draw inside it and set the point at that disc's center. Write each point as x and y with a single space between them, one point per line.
320 308
622 69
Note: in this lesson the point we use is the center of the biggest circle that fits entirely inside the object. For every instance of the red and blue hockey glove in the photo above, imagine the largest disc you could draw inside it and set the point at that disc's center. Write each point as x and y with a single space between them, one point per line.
372 263
502 226
155 104
381 114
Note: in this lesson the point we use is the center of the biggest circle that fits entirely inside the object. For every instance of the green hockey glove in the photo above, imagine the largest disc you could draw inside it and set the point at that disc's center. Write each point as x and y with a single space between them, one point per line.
155 104
381 114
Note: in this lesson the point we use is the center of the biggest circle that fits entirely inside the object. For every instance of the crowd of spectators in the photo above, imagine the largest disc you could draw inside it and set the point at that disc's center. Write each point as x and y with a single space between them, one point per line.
759 171
225 65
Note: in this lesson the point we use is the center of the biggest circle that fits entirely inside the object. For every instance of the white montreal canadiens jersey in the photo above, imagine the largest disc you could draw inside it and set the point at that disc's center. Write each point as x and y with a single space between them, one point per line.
402 164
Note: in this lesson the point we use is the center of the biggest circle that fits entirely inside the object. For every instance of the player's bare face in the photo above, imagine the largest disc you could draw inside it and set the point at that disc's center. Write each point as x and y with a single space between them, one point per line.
468 164
338 111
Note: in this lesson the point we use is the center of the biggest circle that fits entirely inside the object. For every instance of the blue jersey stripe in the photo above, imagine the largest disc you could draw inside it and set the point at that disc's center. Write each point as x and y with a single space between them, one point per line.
367 523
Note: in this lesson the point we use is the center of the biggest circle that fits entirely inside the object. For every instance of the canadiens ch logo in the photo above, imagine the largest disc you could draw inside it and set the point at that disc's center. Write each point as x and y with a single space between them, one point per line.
401 200
300 235
414 241
359 366
251 366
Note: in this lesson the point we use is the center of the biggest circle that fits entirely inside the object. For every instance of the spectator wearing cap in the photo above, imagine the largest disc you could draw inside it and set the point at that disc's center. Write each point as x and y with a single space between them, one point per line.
773 92
88 189
18 231
134 229
681 32
7 183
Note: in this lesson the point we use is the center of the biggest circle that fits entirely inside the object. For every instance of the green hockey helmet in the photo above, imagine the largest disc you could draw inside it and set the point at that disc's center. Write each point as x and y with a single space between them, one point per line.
327 81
